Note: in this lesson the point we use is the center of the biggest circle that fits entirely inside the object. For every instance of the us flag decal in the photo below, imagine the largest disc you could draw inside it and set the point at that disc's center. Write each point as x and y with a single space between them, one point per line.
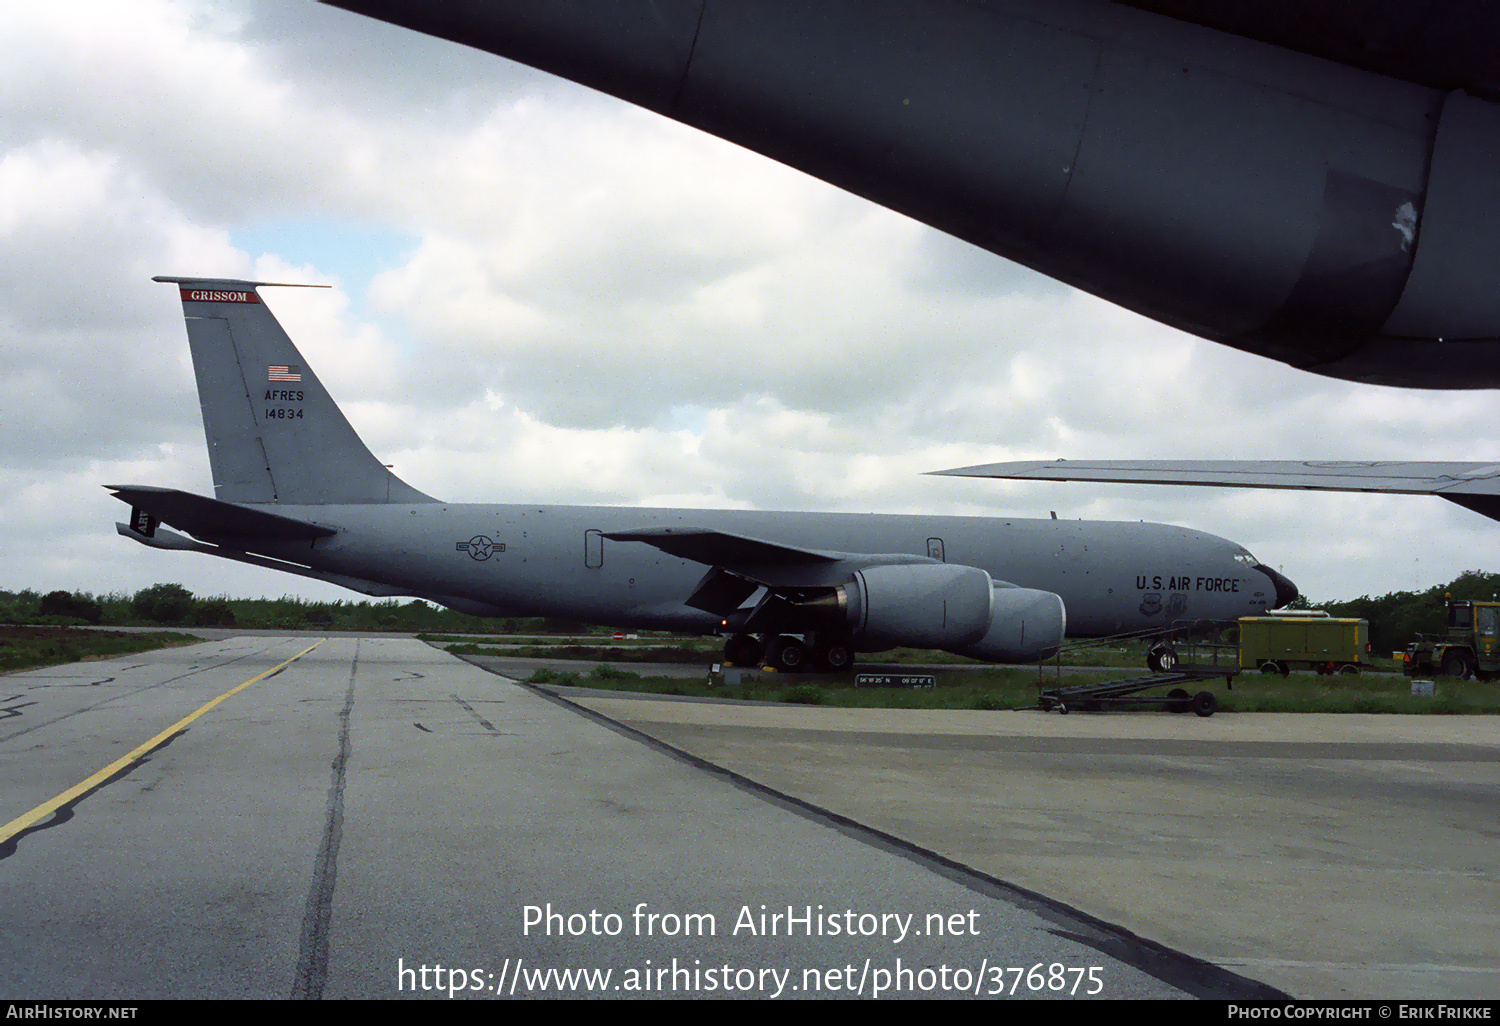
283 372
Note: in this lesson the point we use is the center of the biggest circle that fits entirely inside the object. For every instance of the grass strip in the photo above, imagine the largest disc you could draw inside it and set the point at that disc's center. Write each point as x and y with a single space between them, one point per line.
25 648
1014 688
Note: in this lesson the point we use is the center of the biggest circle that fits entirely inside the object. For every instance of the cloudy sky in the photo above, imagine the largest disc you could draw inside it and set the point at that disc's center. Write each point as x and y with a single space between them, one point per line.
544 295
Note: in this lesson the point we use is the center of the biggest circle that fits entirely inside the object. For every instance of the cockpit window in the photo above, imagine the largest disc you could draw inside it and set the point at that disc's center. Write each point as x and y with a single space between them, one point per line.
1246 559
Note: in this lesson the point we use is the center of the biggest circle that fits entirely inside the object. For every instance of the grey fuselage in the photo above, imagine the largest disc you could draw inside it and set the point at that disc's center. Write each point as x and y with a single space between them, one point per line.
520 560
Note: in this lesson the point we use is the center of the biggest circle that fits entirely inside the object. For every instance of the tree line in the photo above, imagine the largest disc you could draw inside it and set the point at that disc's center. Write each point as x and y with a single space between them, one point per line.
172 605
1395 619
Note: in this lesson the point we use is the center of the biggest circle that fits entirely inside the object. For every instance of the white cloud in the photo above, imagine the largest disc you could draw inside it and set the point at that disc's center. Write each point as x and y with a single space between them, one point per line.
596 305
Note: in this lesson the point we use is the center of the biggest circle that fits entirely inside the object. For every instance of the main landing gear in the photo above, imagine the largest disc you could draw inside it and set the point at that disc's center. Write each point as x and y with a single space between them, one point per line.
744 650
789 654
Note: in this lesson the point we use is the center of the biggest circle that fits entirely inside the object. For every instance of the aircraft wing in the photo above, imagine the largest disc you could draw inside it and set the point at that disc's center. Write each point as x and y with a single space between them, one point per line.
1474 486
1132 149
719 548
770 563
741 565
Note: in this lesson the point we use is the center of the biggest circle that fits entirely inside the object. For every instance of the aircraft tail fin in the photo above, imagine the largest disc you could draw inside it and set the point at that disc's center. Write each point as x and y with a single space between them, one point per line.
275 435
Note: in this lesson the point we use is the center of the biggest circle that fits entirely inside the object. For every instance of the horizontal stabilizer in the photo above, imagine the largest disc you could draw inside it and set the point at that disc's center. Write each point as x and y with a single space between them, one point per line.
203 517
1473 485
162 538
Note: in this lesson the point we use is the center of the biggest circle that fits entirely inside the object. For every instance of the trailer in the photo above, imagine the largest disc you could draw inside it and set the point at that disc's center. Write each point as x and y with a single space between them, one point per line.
1303 640
1096 697
1204 661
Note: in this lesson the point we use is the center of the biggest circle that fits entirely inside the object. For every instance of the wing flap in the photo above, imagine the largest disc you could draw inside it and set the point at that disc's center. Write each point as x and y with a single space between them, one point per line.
721 592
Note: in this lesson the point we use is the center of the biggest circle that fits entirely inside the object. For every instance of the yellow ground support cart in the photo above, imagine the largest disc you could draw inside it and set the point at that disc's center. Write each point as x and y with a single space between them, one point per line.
1303 640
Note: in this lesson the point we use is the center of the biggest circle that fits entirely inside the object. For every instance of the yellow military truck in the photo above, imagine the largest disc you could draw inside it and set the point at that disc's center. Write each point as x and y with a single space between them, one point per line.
1470 648
1310 639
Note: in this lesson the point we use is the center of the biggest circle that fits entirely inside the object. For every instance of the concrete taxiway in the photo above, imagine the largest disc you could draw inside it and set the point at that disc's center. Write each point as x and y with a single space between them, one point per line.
1332 856
1352 859
377 808
346 823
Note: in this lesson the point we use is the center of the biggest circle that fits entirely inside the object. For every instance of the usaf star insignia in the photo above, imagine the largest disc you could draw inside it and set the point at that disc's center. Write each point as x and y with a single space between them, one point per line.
479 547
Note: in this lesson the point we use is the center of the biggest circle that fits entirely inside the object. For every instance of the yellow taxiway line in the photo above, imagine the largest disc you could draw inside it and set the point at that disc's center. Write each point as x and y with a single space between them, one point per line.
20 823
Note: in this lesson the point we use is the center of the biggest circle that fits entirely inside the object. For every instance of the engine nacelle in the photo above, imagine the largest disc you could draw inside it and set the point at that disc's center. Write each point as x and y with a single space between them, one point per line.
956 608
923 605
1026 626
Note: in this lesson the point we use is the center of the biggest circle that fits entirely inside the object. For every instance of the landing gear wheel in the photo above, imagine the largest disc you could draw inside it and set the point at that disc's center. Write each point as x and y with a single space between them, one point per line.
1178 701
834 658
1161 658
1204 703
787 654
744 650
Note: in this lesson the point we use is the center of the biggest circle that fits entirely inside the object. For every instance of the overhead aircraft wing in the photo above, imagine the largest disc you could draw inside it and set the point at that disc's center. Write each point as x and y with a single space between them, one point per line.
1131 149
203 517
1474 485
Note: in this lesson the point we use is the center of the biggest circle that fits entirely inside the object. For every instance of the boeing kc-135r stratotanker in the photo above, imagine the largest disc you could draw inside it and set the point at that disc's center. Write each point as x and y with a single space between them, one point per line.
296 490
